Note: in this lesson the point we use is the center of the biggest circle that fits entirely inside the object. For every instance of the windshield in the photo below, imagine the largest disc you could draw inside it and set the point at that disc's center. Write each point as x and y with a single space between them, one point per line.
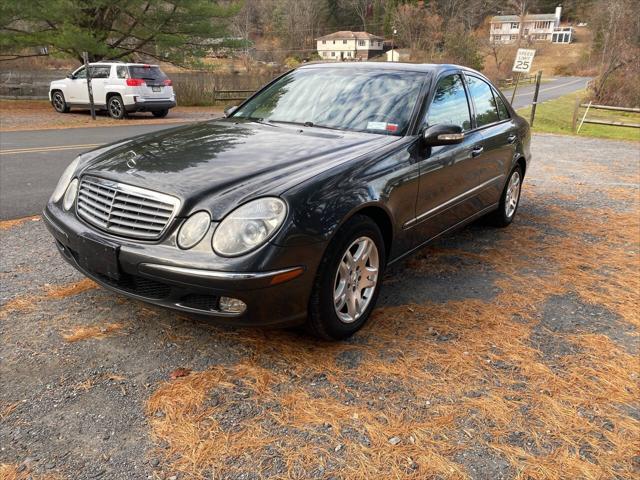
338 98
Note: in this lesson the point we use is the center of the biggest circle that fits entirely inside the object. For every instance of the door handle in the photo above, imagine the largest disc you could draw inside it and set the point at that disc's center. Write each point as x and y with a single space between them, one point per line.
477 150
511 138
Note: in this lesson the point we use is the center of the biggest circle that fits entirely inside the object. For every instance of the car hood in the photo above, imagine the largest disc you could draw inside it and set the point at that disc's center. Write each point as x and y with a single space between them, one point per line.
221 163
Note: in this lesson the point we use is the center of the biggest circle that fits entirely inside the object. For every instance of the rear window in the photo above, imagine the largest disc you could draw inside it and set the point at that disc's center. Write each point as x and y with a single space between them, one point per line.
146 73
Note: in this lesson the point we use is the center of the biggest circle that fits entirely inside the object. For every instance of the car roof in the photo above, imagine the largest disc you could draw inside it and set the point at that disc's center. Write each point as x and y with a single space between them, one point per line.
408 67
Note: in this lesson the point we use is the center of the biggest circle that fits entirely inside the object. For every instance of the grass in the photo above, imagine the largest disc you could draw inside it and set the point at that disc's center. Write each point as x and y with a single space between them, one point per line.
555 116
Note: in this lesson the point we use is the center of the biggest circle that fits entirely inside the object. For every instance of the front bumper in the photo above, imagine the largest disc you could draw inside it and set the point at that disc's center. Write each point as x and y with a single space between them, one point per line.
276 295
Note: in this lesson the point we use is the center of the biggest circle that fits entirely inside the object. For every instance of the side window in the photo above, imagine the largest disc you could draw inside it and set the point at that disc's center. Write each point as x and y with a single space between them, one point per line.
449 104
100 72
82 73
486 110
121 72
502 108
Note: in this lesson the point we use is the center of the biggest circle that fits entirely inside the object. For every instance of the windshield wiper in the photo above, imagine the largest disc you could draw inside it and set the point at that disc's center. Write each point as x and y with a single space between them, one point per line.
305 124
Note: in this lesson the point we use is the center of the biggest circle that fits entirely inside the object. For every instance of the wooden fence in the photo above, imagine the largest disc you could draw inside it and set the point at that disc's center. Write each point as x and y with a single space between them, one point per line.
232 95
575 126
510 82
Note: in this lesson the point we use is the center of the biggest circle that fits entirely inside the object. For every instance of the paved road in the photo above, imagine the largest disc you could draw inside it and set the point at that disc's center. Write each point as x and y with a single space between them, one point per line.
555 88
31 161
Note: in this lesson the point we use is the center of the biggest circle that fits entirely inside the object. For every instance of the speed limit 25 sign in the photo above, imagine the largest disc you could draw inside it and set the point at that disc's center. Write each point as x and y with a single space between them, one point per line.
524 60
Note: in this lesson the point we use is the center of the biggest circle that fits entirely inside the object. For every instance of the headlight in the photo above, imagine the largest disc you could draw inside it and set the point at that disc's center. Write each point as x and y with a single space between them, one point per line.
192 231
249 226
70 195
63 183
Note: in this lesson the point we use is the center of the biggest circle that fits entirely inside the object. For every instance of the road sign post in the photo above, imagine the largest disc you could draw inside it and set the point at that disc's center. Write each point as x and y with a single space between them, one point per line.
522 64
535 97
85 56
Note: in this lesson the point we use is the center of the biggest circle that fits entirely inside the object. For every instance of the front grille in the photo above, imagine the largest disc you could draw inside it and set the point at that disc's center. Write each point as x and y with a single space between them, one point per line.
123 209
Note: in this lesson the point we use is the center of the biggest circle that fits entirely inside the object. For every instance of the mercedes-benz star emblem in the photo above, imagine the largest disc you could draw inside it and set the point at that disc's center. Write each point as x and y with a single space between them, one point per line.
131 160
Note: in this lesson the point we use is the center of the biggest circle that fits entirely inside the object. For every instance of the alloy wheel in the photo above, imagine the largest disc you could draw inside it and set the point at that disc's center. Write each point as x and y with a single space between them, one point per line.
58 101
513 195
115 108
356 279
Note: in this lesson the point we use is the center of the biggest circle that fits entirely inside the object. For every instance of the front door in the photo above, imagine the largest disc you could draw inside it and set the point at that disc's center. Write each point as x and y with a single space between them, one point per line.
446 172
77 90
99 78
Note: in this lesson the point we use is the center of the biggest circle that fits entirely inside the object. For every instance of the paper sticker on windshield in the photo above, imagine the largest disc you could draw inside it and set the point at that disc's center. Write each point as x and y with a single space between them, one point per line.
389 127
376 125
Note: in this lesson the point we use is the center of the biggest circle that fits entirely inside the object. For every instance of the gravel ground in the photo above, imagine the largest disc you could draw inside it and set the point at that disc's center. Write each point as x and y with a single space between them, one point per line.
472 337
39 115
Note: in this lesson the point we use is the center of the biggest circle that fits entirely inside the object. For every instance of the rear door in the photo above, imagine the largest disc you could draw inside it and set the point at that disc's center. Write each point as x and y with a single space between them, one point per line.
446 172
99 78
156 86
498 130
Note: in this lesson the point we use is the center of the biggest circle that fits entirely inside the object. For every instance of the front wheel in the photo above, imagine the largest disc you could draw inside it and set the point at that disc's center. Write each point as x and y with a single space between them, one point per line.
59 103
348 280
509 201
115 106
160 113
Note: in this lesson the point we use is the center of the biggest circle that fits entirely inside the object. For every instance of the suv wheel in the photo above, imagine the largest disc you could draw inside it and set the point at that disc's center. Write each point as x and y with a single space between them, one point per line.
348 280
160 113
59 103
115 106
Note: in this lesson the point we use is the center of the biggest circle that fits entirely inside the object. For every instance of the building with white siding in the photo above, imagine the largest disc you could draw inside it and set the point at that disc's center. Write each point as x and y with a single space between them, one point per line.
348 45
543 27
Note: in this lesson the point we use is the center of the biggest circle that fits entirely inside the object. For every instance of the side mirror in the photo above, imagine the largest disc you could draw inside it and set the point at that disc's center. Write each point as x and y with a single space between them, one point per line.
229 110
442 134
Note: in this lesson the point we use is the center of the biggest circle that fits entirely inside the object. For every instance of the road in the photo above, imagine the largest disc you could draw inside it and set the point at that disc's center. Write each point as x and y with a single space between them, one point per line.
31 161
555 88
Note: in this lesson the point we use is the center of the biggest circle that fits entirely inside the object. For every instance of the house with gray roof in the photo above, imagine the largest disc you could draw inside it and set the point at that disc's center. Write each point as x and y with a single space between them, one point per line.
543 27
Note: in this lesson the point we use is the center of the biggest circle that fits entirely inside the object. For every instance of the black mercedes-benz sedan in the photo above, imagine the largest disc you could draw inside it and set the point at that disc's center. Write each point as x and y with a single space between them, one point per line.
288 210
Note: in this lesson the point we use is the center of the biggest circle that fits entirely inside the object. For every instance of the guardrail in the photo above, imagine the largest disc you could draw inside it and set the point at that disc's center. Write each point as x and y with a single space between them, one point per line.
598 121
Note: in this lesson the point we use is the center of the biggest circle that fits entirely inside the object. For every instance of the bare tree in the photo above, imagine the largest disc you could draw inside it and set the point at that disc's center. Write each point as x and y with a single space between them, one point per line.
418 29
362 8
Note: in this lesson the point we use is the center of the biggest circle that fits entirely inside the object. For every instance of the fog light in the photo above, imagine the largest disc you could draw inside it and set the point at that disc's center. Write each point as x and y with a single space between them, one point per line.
232 305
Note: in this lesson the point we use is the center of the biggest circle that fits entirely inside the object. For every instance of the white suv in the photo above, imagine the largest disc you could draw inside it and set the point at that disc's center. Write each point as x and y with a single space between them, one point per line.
118 87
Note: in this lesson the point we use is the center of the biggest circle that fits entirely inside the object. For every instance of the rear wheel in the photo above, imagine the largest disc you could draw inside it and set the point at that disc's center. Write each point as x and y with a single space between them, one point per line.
59 103
115 107
348 280
509 201
160 113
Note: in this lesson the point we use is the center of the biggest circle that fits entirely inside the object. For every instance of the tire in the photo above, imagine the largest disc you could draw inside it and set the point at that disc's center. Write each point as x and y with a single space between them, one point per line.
115 107
506 212
59 103
160 113
335 321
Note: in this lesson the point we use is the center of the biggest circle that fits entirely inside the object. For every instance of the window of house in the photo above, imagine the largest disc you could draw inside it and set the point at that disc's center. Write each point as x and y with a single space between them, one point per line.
333 54
450 104
344 42
324 42
515 25
334 42
513 37
486 110
362 43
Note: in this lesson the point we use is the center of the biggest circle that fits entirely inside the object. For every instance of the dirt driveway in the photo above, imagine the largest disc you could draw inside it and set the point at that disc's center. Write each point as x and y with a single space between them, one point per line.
39 115
494 354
